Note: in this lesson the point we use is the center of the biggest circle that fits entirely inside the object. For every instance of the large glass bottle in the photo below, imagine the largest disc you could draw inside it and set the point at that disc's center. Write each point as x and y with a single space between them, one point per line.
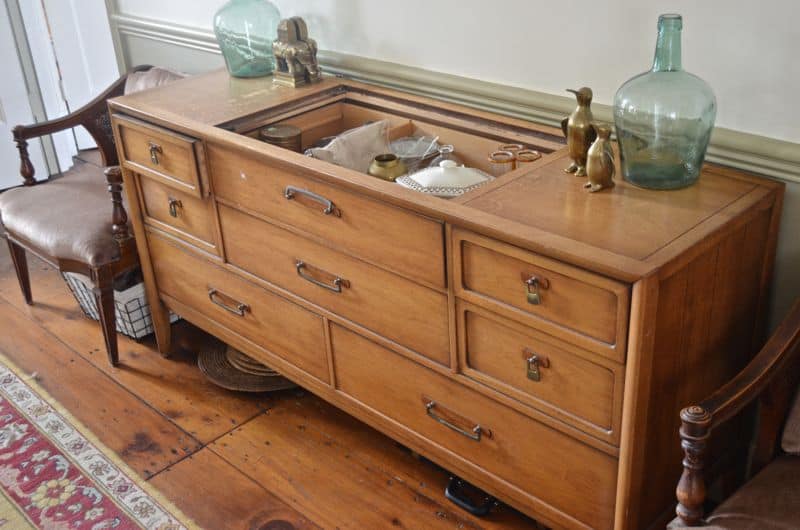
664 117
245 30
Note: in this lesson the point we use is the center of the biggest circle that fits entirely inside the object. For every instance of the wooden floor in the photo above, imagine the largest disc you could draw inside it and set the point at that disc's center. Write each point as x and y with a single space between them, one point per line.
229 460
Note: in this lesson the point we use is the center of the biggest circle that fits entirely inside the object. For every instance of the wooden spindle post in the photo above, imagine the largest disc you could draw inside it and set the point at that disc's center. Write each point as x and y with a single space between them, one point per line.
25 167
119 217
691 490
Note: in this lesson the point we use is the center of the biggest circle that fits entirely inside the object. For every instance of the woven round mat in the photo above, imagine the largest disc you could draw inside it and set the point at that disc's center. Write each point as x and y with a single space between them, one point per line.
229 368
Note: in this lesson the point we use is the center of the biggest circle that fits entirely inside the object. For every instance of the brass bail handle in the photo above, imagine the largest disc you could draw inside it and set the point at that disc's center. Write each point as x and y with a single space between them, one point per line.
174 204
534 363
155 150
534 285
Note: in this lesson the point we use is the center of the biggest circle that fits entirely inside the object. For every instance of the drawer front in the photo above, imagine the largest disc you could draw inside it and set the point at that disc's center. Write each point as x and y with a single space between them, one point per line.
173 158
178 213
565 475
398 239
578 306
578 387
397 308
285 329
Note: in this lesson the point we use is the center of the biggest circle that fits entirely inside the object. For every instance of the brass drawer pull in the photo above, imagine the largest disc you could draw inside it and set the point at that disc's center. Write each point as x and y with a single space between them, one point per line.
239 308
336 284
174 204
534 363
155 150
533 285
473 434
330 209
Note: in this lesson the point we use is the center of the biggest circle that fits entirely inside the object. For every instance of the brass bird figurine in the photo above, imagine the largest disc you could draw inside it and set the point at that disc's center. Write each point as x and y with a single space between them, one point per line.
600 161
579 131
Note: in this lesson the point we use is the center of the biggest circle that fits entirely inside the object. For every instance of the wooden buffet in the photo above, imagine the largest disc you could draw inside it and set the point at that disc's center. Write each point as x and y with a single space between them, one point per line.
413 312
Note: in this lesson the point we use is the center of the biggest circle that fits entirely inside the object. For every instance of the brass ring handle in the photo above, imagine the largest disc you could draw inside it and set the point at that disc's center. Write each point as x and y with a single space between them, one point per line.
336 285
174 204
330 209
475 434
155 150
239 309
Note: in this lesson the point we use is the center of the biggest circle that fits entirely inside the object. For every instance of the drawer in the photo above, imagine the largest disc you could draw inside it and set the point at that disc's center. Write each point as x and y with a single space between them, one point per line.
558 474
405 312
578 306
183 215
404 242
173 158
285 329
575 386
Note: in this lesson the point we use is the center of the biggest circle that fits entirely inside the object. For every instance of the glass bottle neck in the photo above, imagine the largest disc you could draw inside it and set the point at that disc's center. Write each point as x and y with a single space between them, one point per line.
668 46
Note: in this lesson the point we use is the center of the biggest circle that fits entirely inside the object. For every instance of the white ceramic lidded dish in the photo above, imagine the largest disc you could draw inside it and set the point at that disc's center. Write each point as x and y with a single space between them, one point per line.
448 180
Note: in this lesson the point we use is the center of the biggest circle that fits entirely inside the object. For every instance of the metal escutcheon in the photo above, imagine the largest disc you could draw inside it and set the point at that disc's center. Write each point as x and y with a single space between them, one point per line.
533 286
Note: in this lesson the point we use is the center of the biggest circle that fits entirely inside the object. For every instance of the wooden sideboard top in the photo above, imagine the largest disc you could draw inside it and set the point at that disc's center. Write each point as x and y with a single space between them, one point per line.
626 233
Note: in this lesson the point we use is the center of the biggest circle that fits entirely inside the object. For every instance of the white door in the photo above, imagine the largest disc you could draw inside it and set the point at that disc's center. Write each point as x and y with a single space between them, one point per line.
84 49
15 109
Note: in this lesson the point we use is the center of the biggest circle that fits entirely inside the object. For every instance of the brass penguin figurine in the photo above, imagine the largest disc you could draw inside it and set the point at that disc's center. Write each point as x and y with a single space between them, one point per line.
600 161
579 131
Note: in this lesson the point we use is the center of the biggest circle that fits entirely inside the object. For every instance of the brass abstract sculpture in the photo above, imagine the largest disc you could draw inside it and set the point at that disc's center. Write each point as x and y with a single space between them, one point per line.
579 131
295 54
600 161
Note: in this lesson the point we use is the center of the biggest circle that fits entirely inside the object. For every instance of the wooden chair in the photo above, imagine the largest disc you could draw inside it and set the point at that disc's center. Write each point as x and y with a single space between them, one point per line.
771 499
68 221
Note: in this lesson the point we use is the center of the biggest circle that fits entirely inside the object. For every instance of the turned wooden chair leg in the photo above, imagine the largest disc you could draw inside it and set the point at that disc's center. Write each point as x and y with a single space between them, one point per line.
21 267
104 296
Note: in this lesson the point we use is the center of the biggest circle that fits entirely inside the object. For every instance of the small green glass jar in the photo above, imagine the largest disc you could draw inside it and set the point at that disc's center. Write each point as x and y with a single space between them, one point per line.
245 30
664 117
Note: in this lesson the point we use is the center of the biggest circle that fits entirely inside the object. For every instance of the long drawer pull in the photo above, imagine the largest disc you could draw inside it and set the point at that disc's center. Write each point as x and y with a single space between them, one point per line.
336 284
474 434
330 209
239 308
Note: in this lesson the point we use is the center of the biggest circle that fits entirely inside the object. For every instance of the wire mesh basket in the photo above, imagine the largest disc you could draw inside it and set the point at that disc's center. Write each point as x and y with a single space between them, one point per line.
132 311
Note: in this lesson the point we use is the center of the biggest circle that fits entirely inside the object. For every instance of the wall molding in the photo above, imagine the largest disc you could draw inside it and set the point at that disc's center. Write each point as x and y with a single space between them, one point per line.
760 154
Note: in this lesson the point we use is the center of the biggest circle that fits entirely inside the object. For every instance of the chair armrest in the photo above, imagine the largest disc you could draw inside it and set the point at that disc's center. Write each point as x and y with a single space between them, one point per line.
697 421
88 116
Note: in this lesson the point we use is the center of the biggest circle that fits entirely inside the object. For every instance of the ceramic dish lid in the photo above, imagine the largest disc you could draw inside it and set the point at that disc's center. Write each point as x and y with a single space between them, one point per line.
447 180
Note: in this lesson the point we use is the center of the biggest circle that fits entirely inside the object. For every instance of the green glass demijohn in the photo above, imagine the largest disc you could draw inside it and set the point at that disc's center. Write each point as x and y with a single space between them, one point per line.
664 117
245 30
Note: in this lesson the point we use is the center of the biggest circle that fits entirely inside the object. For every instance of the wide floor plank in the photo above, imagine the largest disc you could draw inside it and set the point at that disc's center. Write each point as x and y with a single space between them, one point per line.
216 495
144 439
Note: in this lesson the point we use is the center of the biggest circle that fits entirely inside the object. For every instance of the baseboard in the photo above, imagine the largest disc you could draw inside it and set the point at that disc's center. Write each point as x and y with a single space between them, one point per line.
195 49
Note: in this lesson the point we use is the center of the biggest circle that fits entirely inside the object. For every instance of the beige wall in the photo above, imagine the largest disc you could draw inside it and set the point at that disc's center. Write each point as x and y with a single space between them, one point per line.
744 49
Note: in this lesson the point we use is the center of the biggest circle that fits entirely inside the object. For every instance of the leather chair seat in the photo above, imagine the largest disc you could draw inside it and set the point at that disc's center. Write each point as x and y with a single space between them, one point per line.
768 501
64 218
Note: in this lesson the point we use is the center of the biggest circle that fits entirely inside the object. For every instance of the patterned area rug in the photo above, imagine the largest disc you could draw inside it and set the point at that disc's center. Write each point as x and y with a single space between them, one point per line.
55 475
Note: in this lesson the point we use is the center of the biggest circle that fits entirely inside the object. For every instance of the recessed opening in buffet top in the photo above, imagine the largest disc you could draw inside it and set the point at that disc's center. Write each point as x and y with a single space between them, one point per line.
473 137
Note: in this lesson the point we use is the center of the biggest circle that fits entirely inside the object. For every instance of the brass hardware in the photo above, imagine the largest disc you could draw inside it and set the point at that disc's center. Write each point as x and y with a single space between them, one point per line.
534 363
387 167
474 434
533 285
600 161
155 150
174 204
291 192
240 308
579 131
295 54
336 285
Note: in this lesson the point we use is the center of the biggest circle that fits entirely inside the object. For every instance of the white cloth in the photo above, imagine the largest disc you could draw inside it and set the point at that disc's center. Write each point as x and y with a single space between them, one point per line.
356 148
151 78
